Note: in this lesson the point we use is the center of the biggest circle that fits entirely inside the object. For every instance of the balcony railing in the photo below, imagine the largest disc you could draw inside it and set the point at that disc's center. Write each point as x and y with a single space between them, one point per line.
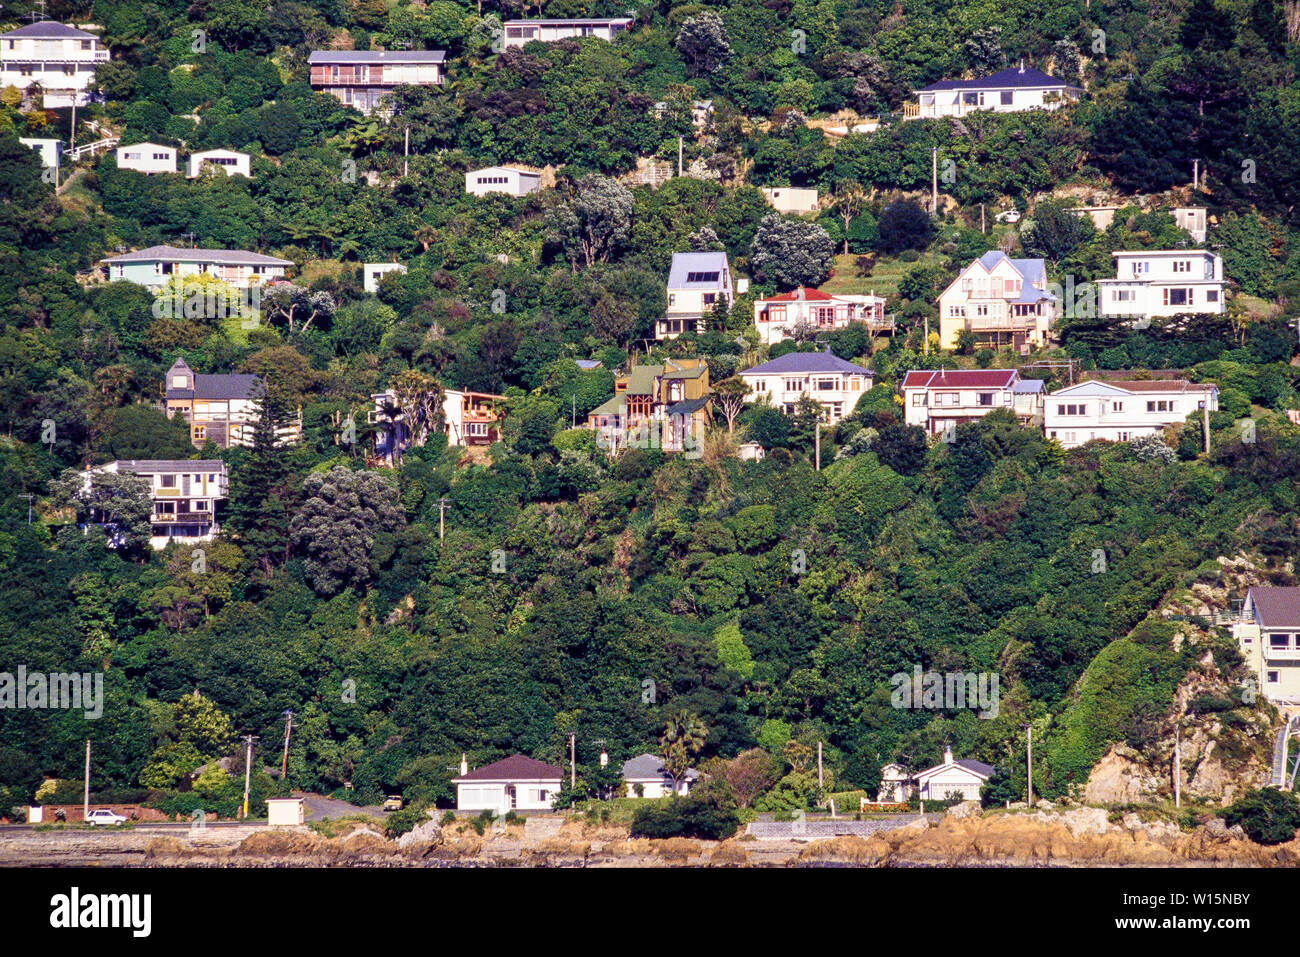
1281 654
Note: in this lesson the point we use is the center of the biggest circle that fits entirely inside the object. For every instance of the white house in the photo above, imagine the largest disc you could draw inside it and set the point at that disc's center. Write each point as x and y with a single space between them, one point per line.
147 158
895 784
502 179
1003 301
372 273
513 783
1163 282
808 311
49 150
519 32
962 779
832 381
231 162
938 400
1006 91
184 493
57 59
646 776
156 266
1121 411
788 199
1268 636
697 282
1192 220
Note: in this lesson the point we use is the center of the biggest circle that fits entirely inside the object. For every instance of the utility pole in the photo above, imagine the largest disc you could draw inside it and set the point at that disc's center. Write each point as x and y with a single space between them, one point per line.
288 728
934 181
442 508
817 446
1196 174
927 335
1205 425
573 765
574 424
85 800
981 219
1029 759
248 766
819 765
679 156
1178 768
30 497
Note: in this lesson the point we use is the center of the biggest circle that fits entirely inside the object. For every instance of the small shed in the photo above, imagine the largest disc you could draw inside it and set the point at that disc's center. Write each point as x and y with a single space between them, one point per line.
284 812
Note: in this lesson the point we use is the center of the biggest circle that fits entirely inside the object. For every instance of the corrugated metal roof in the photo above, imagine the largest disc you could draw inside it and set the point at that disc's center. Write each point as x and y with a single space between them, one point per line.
1012 78
377 56
228 257
686 263
807 362
49 28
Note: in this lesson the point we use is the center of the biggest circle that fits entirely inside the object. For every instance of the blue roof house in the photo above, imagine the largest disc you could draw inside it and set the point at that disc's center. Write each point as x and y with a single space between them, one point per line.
697 282
783 381
1006 91
1005 302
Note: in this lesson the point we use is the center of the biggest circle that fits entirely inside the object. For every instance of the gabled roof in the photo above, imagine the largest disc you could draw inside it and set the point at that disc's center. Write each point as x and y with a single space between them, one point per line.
1276 606
960 379
1012 78
227 257
1031 270
50 29
218 150
977 768
686 263
535 174
807 362
155 466
152 146
687 406
802 294
1135 387
574 20
377 56
517 767
650 767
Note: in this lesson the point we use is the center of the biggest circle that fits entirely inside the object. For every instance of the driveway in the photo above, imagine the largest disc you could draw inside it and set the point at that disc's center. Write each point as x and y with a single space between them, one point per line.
317 807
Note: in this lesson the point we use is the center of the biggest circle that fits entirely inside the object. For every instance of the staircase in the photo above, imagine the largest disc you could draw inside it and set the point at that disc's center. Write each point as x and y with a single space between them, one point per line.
91 148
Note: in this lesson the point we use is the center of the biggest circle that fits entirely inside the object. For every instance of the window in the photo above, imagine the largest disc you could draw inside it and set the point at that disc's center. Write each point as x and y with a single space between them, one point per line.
200 505
986 398
1117 406
1211 295
702 276
918 398
760 385
982 310
1071 409
1182 265
793 385
1006 97
672 299
1272 677
1177 297
168 481
946 398
1279 641
1121 295
1161 405
827 385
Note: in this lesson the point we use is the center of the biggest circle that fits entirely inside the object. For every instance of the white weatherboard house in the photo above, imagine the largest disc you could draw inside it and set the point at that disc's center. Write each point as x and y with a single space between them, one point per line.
147 158
787 199
513 783
156 266
1192 220
647 772
1121 411
1002 301
372 273
519 32
1006 91
1268 636
834 382
810 311
502 179
231 162
941 399
962 779
1163 282
697 282
49 150
57 59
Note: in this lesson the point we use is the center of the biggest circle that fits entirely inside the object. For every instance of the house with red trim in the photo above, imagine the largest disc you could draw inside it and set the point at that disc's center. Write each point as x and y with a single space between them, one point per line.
804 312
939 400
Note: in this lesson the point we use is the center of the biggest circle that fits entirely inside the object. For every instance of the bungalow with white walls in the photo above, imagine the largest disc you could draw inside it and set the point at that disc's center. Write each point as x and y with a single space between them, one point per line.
938 400
157 265
147 158
49 150
697 283
1007 91
516 783
787 199
1003 301
834 382
1121 411
372 273
519 32
646 776
512 180
809 311
1163 282
962 779
230 162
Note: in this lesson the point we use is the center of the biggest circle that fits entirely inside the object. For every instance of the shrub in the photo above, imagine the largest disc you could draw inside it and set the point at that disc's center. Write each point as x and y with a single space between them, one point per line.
1268 816
703 818
399 822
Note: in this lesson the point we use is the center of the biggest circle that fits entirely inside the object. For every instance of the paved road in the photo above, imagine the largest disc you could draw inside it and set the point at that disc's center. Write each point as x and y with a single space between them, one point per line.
317 807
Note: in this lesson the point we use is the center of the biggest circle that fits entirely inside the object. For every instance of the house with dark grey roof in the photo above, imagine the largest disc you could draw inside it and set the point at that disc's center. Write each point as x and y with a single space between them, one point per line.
1268 636
57 59
656 407
157 265
962 779
184 493
362 78
222 408
646 776
1003 302
514 783
1007 91
697 284
834 382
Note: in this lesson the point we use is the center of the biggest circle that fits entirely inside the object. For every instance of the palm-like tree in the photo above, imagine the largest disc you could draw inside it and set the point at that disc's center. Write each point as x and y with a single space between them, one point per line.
682 740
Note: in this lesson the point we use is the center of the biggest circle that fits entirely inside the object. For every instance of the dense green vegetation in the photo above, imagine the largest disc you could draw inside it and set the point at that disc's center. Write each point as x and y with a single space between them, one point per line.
702 609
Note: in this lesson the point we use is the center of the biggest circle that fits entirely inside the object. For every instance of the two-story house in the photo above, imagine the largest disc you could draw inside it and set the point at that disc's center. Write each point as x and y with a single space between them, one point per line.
361 78
697 283
809 311
1268 637
938 400
57 59
1121 411
656 406
1003 301
184 493
519 32
1007 91
834 382
156 266
1163 282
222 408
469 418
146 158
230 162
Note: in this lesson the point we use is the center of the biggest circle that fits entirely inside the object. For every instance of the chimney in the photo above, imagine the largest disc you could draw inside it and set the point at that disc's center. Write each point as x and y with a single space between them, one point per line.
1022 65
947 754
464 766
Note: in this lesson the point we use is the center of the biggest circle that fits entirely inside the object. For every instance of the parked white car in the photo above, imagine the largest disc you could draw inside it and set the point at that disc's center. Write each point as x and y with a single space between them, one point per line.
104 816
1008 216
